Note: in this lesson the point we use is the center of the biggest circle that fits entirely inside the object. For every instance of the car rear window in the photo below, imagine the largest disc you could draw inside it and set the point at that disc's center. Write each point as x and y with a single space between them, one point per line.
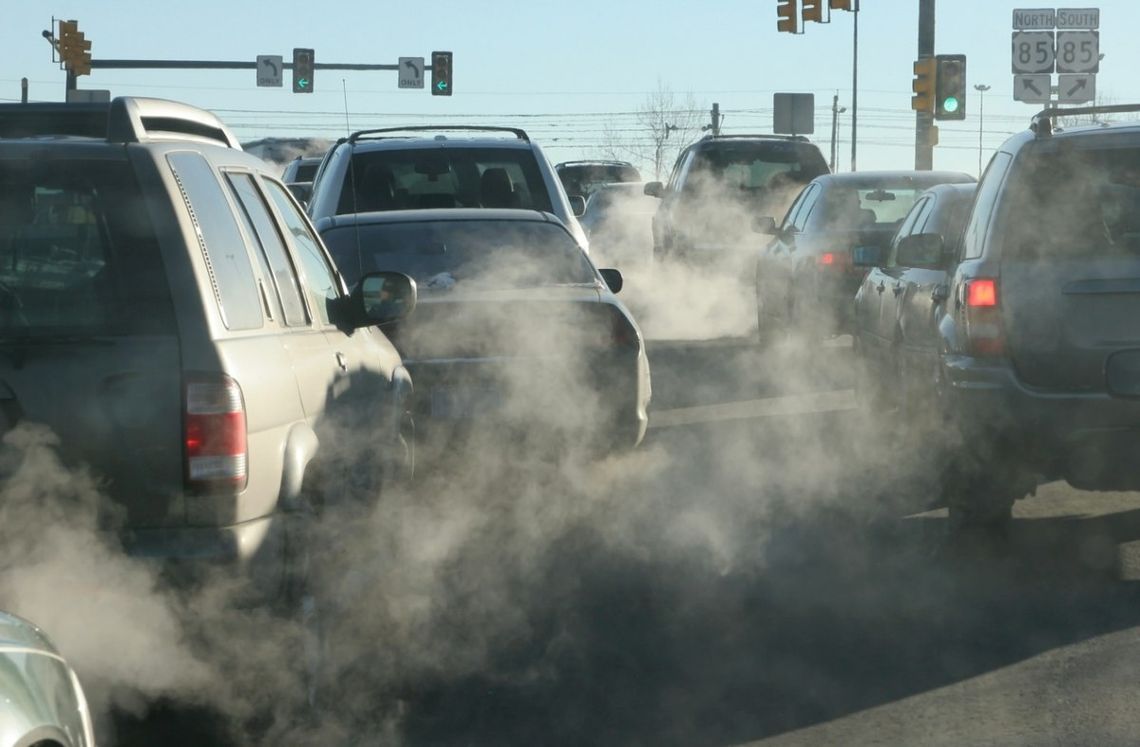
491 253
585 179
78 253
755 166
434 177
865 207
1074 203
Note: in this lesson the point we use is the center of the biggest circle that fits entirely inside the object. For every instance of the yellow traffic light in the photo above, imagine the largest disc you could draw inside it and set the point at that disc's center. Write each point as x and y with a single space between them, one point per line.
923 85
74 48
786 12
812 11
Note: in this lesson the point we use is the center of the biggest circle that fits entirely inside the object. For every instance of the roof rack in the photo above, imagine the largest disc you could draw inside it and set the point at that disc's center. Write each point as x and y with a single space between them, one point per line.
126 119
1042 122
597 161
134 119
360 134
711 136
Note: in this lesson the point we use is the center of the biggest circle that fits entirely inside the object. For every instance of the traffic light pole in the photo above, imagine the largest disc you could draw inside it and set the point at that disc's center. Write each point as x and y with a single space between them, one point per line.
855 84
924 121
226 65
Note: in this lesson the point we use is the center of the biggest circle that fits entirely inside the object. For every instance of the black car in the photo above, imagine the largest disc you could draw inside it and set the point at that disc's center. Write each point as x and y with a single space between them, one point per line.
806 277
893 334
719 184
1037 374
585 177
514 326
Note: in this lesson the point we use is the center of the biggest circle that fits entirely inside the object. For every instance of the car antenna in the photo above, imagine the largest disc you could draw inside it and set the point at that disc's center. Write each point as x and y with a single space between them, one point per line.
352 181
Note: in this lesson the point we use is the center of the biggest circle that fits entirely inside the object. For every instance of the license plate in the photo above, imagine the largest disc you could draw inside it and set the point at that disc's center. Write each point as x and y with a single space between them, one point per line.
461 404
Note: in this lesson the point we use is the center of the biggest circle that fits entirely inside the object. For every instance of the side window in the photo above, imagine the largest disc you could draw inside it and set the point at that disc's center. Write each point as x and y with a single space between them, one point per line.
807 204
320 280
918 214
974 236
262 225
220 239
675 176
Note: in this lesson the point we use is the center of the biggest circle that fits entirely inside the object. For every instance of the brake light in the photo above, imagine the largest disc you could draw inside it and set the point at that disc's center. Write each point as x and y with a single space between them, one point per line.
827 259
981 293
984 332
618 332
215 433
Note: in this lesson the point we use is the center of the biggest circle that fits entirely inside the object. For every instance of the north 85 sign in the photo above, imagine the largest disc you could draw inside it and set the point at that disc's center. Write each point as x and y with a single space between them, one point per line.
1033 52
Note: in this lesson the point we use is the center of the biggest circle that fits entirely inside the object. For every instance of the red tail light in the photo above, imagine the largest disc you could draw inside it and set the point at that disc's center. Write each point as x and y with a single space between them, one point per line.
617 331
984 330
215 433
827 259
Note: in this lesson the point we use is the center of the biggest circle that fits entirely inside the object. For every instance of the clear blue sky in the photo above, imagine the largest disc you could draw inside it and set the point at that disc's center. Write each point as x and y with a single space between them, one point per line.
573 67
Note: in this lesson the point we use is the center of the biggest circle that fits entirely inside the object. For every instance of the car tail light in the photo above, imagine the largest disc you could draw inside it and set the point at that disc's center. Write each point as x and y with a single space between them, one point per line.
984 331
617 331
215 433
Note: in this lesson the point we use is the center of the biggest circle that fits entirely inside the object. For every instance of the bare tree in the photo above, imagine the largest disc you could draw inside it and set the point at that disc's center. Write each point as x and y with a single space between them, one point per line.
664 124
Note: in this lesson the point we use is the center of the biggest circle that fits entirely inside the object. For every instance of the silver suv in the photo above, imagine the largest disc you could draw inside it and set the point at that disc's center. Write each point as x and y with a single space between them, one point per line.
398 168
168 311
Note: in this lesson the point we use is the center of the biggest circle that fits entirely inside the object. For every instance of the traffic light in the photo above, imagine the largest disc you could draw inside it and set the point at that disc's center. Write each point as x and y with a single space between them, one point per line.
441 73
303 70
841 4
786 12
950 97
74 49
812 10
923 85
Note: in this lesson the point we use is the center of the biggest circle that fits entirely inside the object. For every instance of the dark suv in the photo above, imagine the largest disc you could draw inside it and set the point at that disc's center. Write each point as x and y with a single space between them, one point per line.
719 184
1038 326
168 311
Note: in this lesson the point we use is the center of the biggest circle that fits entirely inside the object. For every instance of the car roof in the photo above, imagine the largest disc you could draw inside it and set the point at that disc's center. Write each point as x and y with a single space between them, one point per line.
424 143
872 179
438 215
588 163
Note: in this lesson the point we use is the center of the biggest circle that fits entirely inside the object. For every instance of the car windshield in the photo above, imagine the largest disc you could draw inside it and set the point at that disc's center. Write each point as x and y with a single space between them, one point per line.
443 177
77 251
1076 203
440 254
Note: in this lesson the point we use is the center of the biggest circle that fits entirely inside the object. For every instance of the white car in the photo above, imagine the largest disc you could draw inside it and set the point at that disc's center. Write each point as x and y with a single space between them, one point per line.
41 701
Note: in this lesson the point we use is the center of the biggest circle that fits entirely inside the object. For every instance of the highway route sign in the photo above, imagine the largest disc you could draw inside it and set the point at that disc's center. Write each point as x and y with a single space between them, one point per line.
269 69
1078 18
1030 19
1032 52
1076 89
411 73
1032 89
1078 51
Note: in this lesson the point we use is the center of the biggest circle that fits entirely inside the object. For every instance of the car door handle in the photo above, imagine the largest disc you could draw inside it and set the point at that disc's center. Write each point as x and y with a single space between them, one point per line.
898 289
342 361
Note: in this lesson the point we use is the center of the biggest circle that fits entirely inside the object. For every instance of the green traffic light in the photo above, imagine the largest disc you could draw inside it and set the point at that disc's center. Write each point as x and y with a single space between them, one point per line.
950 104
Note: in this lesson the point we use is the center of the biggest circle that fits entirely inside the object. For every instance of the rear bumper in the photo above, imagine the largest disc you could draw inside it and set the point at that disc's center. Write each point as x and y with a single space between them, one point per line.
1089 438
186 557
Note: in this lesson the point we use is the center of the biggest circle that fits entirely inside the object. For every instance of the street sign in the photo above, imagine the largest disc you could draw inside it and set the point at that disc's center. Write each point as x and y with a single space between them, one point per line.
88 96
1078 18
1032 52
1078 51
1076 89
1031 19
793 113
269 69
411 72
1032 89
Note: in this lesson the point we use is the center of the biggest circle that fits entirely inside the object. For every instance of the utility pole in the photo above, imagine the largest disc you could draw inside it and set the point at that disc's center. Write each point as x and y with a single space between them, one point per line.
924 121
855 84
981 89
23 90
836 110
714 127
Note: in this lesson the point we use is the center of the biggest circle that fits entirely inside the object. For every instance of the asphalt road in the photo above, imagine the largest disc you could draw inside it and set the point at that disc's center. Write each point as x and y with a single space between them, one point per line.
763 571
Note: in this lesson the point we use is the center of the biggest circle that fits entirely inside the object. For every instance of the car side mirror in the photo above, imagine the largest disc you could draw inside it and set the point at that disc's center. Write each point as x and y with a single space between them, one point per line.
613 279
867 256
923 250
384 297
654 189
577 205
765 224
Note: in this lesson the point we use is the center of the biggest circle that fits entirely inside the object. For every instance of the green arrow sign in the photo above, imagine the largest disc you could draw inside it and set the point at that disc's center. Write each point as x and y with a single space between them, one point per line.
303 82
442 85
